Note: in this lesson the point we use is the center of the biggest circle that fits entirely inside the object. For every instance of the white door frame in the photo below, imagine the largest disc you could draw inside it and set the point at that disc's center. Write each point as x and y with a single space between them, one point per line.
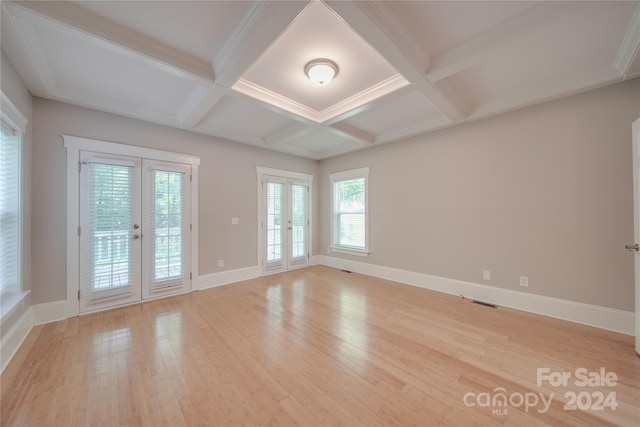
636 222
74 145
262 173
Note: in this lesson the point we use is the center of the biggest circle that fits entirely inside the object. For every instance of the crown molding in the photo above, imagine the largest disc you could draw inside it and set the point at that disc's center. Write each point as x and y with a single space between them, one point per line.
630 47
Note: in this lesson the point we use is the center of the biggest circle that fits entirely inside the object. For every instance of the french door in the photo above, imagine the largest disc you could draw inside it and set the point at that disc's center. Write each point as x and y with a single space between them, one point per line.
134 229
285 224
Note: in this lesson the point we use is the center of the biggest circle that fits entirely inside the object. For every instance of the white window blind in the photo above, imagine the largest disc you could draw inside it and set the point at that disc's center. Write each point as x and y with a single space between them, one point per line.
108 263
350 213
274 202
299 220
166 223
10 211
349 220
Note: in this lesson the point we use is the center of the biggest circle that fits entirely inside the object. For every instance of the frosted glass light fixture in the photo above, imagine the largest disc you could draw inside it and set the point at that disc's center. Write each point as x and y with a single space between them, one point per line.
321 71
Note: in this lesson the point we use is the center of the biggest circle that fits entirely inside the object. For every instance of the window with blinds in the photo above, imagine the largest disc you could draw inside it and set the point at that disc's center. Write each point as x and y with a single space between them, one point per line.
10 211
350 212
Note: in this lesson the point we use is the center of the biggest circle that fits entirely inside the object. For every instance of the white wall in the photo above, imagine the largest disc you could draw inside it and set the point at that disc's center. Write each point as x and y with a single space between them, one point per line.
543 192
227 187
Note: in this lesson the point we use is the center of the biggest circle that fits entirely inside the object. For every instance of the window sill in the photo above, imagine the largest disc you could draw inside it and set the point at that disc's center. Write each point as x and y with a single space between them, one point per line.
10 303
357 252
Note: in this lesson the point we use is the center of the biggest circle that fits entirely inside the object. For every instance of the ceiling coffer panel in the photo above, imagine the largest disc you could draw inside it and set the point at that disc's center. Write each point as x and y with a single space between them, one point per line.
236 70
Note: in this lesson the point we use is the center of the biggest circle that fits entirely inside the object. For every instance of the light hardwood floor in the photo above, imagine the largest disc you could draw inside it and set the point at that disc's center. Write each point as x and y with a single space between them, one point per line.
312 347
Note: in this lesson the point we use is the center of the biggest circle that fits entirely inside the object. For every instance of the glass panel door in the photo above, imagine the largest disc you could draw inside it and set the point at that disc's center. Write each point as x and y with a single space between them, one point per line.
298 224
109 234
166 243
274 220
285 224
135 230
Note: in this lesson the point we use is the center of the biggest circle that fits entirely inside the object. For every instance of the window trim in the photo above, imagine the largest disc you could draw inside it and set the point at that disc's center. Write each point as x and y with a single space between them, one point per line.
12 116
345 176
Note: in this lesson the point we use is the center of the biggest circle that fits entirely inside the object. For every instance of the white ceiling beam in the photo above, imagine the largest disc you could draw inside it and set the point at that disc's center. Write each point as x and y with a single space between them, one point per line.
372 21
289 133
114 37
262 26
630 46
481 47
199 103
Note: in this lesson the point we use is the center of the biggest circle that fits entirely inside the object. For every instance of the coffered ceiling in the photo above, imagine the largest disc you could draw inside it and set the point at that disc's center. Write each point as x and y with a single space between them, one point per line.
235 69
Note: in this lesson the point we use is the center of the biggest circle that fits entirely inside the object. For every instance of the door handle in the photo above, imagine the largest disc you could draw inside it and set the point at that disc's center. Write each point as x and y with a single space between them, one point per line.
632 248
136 236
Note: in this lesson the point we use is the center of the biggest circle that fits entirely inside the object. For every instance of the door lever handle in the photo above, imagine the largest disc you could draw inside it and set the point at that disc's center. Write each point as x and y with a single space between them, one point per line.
136 236
632 248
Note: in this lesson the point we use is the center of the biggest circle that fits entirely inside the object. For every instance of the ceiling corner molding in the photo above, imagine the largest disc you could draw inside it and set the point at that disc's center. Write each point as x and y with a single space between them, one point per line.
421 128
117 38
378 90
630 46
547 92
29 39
199 102
269 97
348 131
287 134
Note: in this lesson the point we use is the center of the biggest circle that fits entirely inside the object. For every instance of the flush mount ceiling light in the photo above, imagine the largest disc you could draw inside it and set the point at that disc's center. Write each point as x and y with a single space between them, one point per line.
321 71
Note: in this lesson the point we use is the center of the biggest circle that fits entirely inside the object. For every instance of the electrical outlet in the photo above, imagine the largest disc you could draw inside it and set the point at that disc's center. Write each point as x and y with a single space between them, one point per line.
486 275
524 281
235 220
220 263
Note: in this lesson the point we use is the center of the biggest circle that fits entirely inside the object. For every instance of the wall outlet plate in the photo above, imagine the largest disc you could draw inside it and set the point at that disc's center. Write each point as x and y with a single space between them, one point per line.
524 281
486 275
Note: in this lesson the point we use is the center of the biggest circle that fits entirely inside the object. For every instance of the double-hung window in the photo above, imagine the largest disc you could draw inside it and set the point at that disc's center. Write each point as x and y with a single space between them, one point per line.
350 211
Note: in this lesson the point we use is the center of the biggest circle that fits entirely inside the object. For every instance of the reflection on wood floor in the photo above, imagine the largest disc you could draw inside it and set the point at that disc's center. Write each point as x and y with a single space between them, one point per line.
316 347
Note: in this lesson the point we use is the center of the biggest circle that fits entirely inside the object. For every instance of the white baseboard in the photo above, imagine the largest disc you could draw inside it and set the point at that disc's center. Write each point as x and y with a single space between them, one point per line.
316 260
230 276
587 314
50 312
13 339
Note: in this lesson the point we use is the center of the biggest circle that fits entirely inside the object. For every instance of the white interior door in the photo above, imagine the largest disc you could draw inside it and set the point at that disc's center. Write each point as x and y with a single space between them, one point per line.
110 222
135 230
285 224
636 215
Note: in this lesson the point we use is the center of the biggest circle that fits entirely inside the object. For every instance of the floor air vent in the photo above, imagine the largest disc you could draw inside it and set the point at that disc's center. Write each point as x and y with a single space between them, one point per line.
345 271
486 304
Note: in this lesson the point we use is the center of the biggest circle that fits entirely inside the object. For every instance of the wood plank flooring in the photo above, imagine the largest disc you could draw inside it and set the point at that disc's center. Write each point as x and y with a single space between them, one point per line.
314 347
